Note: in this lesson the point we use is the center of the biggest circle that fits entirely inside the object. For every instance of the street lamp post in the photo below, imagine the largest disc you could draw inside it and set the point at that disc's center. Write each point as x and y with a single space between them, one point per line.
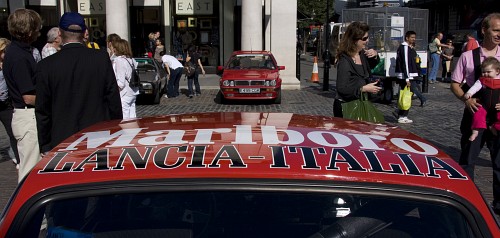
326 61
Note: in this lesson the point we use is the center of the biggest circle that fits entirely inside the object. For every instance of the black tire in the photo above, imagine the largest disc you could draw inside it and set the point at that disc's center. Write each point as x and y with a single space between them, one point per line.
220 98
157 97
277 100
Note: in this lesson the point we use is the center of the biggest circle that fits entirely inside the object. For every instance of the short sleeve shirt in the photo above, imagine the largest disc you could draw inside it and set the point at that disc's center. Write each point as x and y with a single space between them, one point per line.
19 69
171 61
464 70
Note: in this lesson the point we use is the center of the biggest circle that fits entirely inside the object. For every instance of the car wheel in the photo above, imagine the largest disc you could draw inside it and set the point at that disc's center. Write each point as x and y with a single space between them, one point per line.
157 97
277 100
220 98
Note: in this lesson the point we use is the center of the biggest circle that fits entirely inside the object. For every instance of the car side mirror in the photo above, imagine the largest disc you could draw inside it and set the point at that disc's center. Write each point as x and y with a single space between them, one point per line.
281 67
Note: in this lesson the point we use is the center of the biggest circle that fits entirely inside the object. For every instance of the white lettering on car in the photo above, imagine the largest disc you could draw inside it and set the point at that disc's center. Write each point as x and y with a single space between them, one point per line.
240 146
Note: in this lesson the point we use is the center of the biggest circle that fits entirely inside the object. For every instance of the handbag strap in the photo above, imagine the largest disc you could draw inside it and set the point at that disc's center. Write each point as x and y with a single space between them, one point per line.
131 66
364 97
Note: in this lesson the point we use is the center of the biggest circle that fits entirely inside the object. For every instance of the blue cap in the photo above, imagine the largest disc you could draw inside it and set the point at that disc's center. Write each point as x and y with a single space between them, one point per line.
72 18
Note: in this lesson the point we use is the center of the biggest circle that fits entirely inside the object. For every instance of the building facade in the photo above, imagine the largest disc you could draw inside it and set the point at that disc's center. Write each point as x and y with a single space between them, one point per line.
217 27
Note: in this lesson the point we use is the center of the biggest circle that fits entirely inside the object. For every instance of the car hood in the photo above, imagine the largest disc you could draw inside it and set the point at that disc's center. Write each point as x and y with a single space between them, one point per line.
250 74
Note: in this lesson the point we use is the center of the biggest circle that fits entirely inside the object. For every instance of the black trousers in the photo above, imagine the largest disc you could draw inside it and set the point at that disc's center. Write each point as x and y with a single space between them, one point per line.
471 149
337 108
6 118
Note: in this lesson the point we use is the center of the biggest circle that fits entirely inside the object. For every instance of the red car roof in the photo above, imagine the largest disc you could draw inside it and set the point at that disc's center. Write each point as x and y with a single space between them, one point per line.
248 146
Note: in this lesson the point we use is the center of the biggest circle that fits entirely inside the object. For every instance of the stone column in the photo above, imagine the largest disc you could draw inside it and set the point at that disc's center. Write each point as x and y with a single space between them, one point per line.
283 30
117 18
251 25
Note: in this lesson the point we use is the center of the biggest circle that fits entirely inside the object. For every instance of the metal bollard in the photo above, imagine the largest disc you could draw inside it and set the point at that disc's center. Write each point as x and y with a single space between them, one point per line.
297 64
425 84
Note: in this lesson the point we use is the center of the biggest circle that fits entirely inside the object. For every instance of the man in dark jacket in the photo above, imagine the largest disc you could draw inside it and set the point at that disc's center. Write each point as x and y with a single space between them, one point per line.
75 88
407 71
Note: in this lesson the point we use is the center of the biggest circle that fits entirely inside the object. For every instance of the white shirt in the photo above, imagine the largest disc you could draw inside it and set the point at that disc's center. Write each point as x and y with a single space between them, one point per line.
171 62
123 72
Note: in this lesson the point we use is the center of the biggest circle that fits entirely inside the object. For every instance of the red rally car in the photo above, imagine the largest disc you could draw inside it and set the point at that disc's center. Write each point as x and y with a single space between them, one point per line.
246 175
250 75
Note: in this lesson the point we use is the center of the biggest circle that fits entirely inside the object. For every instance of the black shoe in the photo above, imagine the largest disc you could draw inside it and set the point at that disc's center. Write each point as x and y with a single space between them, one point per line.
191 96
422 104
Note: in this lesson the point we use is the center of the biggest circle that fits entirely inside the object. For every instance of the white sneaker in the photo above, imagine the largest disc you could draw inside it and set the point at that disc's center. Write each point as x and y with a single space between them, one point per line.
404 120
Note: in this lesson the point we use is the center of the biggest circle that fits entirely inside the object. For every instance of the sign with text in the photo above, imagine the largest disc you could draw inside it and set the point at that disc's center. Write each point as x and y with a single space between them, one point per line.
194 7
92 7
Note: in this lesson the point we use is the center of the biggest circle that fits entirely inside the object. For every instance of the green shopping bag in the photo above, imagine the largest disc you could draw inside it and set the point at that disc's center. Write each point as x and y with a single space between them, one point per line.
404 101
362 110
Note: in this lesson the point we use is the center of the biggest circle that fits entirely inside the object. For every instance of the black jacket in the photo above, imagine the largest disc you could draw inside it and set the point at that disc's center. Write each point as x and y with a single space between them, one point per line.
350 79
75 88
406 64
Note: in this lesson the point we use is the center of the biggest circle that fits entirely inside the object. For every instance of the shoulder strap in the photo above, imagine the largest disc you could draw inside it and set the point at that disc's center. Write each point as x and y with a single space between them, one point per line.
131 66
477 63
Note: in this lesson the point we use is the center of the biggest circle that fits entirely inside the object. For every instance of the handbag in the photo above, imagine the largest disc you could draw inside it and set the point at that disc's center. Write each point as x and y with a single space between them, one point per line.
404 101
362 110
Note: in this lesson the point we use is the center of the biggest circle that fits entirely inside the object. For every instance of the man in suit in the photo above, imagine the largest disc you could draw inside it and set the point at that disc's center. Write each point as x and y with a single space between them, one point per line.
75 88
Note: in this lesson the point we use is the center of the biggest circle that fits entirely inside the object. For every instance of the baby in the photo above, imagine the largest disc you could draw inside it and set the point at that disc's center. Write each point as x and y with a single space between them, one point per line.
490 70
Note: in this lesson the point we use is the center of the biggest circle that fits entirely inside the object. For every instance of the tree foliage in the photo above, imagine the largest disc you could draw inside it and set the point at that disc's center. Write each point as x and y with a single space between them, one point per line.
316 9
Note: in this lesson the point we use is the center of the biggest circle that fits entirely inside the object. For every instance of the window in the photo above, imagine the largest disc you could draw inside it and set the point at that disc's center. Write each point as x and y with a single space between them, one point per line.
248 214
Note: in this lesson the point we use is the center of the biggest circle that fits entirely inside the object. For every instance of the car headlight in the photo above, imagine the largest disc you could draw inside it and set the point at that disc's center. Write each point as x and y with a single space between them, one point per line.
228 83
266 83
147 86
273 82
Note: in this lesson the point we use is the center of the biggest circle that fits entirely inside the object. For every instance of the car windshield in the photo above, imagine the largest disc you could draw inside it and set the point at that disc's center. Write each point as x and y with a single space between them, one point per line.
251 61
145 65
247 214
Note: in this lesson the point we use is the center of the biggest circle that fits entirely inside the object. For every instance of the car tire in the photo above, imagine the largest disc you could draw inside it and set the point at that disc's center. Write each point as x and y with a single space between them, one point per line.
157 97
277 100
220 98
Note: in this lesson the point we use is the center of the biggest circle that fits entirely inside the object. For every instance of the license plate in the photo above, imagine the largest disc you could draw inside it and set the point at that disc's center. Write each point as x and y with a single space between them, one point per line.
249 90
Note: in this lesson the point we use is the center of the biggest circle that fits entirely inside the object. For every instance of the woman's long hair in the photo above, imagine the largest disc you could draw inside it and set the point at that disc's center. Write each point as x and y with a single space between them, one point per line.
122 47
354 32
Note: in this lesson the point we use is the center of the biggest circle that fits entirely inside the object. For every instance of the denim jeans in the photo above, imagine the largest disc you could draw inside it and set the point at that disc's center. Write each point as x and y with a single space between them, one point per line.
414 89
196 84
173 82
434 67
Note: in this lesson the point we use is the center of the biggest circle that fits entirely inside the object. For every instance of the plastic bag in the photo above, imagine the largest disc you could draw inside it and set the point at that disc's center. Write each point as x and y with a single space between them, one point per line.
379 69
404 101
362 110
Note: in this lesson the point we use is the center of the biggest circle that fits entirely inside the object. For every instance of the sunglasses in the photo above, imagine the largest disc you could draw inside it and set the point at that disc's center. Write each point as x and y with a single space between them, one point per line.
364 38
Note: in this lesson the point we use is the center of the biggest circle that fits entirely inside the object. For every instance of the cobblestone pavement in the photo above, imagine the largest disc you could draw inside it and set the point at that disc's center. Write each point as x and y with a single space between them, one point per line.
438 122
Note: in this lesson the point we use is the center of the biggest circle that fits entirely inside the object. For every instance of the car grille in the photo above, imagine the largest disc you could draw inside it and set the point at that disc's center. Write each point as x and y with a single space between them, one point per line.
249 82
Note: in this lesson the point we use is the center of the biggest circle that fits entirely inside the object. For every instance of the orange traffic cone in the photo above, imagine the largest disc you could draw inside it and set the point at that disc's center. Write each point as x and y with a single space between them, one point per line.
315 76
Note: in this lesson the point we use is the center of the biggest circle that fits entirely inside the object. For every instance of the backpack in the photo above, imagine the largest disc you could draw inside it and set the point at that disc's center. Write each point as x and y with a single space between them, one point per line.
189 69
433 47
135 80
